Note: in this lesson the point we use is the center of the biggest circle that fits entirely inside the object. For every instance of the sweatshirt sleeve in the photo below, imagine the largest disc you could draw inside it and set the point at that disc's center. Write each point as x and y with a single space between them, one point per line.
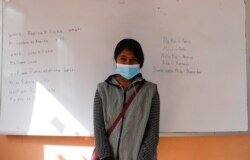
101 137
148 150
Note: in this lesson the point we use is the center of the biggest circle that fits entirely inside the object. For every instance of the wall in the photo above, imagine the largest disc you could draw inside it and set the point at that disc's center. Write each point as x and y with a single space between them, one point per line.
170 148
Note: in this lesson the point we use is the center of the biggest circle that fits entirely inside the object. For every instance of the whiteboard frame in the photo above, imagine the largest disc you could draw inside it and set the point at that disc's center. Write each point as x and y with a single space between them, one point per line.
247 34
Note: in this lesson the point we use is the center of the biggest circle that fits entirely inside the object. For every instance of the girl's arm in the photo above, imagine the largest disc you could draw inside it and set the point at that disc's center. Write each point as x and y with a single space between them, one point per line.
148 150
101 136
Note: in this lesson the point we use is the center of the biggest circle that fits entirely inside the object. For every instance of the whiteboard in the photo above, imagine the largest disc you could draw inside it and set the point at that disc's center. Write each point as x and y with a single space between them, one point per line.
56 51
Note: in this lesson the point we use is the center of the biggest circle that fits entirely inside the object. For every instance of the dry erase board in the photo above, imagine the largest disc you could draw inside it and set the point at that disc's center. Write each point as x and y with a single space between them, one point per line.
56 51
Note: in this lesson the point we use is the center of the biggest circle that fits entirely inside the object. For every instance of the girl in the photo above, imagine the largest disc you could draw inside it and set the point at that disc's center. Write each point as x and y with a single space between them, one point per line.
136 135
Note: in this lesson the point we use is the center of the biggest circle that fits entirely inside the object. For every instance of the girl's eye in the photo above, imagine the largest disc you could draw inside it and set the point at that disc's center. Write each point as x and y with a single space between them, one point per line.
134 60
123 59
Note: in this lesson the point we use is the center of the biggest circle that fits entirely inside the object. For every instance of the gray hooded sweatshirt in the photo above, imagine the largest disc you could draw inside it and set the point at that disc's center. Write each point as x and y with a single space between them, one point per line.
137 133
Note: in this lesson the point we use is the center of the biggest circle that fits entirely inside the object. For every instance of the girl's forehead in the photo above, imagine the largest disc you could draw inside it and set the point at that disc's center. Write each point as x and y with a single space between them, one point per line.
127 52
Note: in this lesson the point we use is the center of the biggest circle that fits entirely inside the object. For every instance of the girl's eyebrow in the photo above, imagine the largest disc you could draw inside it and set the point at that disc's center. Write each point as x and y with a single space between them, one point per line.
123 56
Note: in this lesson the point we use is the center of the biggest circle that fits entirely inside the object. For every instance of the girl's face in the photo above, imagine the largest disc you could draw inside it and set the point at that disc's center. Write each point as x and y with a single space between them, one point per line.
127 57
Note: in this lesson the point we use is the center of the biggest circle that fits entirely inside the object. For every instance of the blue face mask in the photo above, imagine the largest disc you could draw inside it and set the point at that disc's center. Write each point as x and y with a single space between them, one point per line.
127 71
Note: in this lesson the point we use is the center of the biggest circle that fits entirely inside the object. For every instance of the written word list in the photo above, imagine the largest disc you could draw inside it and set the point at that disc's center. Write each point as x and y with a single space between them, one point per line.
25 55
176 57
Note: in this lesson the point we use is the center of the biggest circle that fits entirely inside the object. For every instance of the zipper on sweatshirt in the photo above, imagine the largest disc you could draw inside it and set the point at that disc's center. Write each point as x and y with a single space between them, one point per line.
119 139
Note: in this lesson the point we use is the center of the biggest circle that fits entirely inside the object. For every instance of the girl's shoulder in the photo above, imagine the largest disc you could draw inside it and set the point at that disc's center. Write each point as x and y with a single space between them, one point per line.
150 84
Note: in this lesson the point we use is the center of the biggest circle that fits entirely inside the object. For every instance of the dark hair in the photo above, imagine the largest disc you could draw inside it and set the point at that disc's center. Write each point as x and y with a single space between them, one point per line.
131 45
